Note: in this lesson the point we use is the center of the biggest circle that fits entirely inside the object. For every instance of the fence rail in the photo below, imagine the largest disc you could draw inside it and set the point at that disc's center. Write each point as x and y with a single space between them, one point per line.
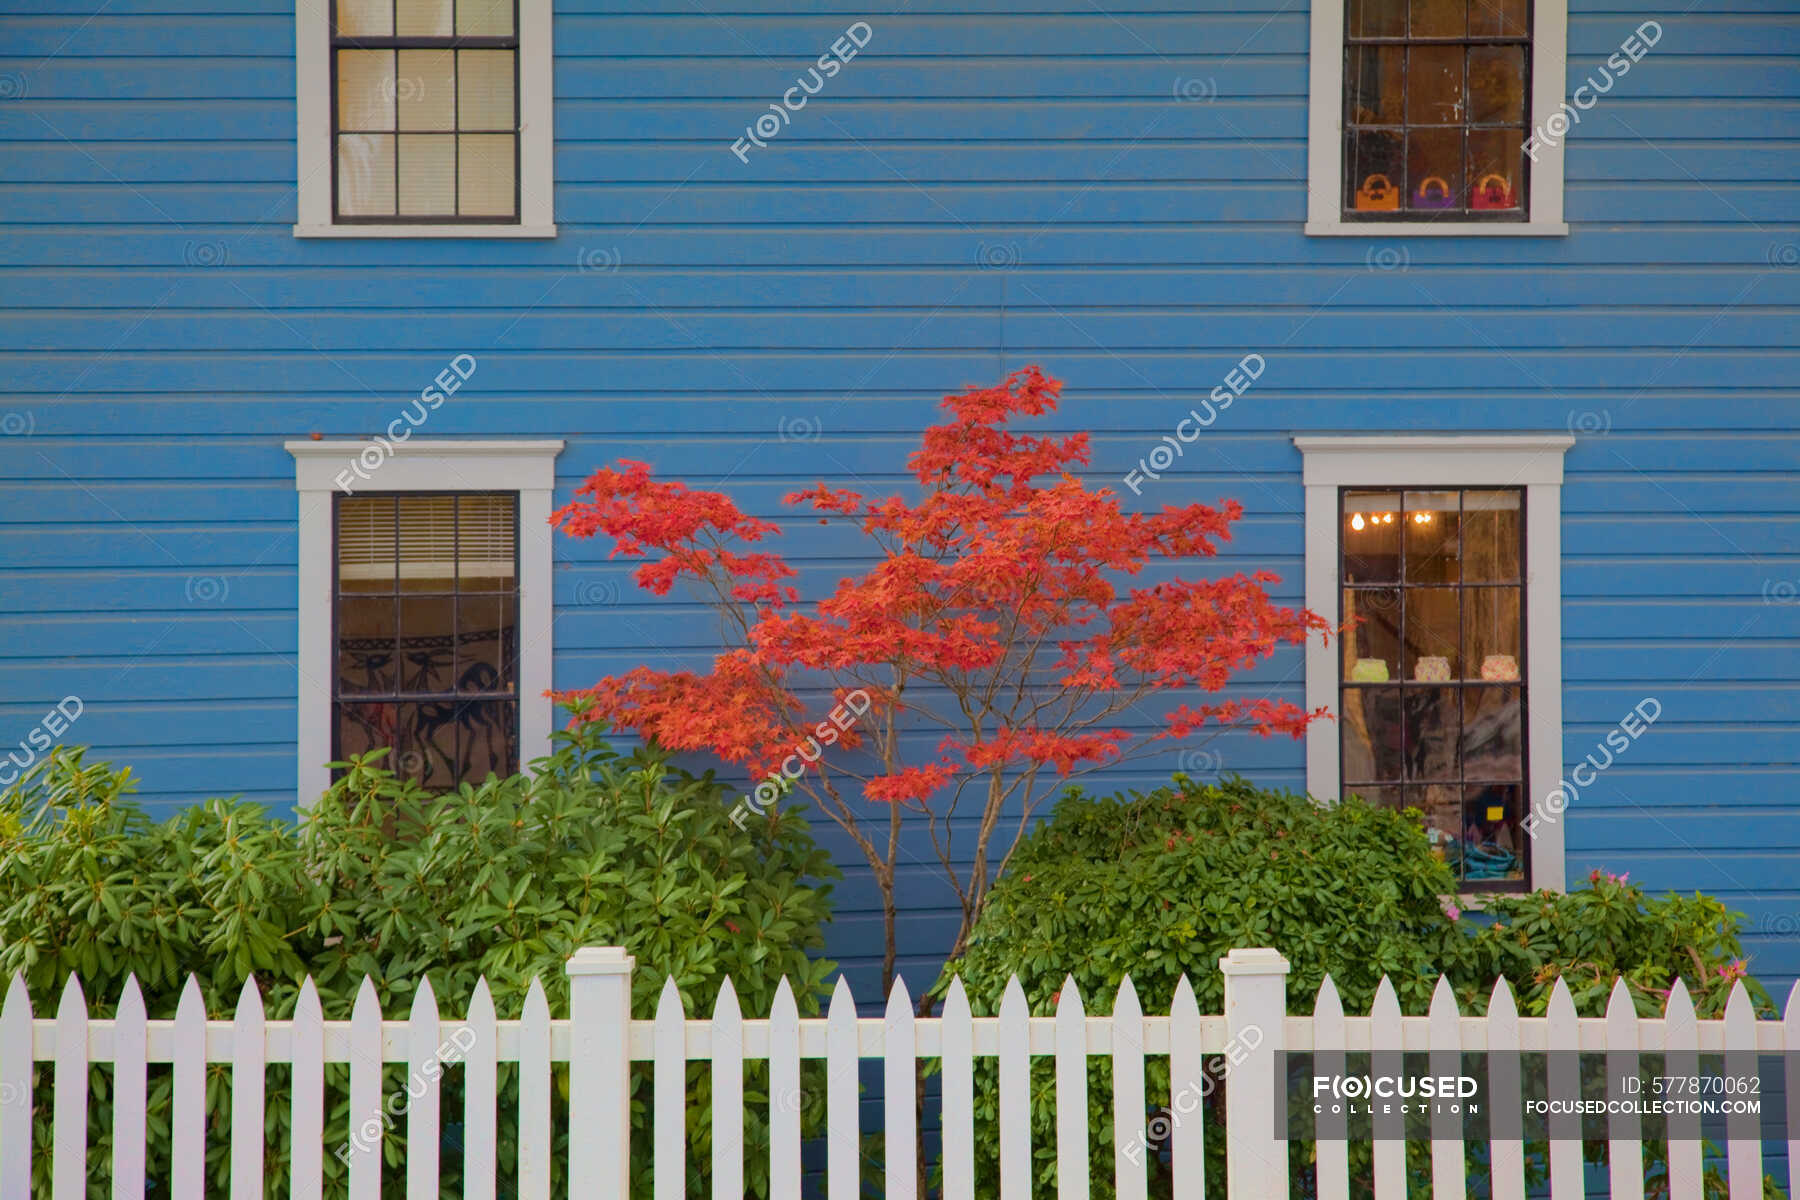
599 1042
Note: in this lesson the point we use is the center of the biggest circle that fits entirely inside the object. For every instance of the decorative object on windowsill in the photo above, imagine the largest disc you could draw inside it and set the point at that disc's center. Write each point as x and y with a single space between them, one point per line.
1377 194
1369 670
1432 669
1493 191
1433 192
1500 668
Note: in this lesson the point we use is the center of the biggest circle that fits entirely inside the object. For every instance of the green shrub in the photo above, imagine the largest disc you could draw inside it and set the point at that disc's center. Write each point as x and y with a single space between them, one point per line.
1163 884
504 880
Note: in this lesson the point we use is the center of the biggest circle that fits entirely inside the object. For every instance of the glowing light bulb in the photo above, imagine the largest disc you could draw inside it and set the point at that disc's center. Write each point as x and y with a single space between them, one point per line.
1356 522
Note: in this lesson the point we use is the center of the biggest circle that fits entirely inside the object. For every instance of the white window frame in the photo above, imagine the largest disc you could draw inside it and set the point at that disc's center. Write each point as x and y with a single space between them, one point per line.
418 465
1325 136
1531 461
312 73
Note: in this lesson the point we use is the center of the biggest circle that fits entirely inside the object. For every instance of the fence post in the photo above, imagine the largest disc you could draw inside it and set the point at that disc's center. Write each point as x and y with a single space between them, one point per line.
1256 1165
599 1073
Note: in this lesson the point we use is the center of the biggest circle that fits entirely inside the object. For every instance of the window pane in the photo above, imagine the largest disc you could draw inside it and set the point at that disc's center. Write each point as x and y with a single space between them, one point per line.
365 727
1432 626
1491 733
365 18
1376 18
1371 537
487 738
1374 78
427 543
365 543
1441 803
1433 734
1434 85
1383 797
366 174
425 92
1491 616
486 543
1437 18
1497 18
1494 162
425 744
484 18
485 174
1371 732
366 627
365 89
1374 170
1493 843
1434 162
427 627
1497 85
485 89
427 174
1429 527
486 643
422 18
1375 635
1490 536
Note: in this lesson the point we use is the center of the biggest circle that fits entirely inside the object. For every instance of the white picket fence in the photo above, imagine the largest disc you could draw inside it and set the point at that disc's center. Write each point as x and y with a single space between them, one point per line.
599 1041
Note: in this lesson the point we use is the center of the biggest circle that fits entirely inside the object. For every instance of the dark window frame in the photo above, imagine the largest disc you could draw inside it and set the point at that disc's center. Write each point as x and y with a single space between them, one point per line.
452 696
1458 686
1464 213
397 43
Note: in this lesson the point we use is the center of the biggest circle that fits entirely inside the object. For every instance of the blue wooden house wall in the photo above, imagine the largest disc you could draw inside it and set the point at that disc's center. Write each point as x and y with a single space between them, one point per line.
982 188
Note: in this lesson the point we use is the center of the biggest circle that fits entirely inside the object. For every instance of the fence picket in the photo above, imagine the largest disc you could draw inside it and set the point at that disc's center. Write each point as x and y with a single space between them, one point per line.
424 1060
481 1086
248 1075
900 1094
1015 1093
958 1095
306 1157
187 1124
668 1134
843 1149
1128 1093
1563 1038
1071 1094
1187 1078
1507 1157
1385 1059
1329 1045
1743 1154
69 1155
728 1095
1681 1058
534 1095
15 1091
363 1150
1444 1032
1624 1130
784 1093
130 1043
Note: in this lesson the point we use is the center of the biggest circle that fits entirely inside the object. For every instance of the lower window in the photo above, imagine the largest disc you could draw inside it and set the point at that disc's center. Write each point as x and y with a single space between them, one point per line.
425 633
1432 686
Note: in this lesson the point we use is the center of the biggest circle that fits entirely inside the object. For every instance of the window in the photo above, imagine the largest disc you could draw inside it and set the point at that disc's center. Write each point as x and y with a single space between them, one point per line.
1431 695
1421 113
424 607
1445 552
425 624
424 118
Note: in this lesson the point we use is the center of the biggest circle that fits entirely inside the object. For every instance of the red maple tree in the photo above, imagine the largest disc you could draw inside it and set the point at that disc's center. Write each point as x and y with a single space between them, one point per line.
993 619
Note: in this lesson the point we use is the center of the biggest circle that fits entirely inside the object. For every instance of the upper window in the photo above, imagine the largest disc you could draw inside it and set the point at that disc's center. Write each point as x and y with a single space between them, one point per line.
425 118
1422 116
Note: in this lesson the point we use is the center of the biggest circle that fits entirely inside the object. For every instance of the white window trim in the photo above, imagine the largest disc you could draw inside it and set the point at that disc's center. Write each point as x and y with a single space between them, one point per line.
1325 136
1531 461
312 73
418 465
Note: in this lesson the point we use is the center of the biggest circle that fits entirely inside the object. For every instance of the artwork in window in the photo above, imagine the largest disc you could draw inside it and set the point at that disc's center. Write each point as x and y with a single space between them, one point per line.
425 115
426 633
1432 701
1435 109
